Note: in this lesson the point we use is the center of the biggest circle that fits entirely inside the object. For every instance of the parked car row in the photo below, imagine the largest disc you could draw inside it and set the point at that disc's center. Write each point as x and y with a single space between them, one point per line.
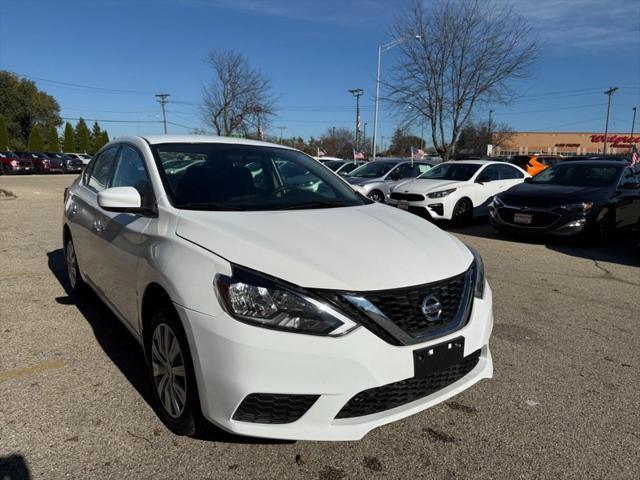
590 197
41 162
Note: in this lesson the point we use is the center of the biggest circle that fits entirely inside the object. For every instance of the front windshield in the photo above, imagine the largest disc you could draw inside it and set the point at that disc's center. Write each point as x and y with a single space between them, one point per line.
578 175
219 176
373 169
452 171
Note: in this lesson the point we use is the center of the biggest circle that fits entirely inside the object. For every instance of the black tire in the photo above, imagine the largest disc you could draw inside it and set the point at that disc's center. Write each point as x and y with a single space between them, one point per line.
605 228
6 170
376 196
76 284
462 212
184 416
38 170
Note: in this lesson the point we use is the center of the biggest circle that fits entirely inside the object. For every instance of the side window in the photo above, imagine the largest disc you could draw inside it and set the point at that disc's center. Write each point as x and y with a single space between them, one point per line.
491 173
423 168
131 172
509 173
98 177
404 171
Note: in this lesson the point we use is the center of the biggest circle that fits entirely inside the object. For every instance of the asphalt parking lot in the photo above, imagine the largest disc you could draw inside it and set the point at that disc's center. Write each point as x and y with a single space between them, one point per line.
564 401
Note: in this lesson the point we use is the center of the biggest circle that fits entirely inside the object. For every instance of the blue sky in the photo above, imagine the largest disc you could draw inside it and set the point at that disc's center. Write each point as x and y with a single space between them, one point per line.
314 51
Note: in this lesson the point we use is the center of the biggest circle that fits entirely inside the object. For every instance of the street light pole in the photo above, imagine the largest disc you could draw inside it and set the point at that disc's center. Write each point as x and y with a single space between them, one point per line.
162 99
357 92
633 123
381 49
606 127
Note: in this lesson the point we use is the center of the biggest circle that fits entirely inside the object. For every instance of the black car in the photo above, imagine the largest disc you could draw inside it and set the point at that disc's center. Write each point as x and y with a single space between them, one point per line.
569 198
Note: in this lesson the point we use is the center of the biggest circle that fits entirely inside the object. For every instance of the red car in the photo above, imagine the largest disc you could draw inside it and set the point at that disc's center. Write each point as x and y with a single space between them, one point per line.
11 162
43 163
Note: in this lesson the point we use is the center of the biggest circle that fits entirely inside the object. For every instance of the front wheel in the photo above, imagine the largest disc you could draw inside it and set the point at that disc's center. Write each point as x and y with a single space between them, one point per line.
605 228
376 196
173 380
462 212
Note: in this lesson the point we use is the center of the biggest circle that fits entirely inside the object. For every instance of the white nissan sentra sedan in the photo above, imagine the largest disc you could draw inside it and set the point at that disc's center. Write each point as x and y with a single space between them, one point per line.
258 301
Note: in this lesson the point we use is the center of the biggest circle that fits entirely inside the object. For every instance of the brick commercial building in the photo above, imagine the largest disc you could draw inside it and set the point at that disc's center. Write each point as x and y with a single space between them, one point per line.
566 143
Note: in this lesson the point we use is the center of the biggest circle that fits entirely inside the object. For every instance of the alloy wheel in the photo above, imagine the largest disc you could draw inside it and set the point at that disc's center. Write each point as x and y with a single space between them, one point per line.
376 196
72 268
169 373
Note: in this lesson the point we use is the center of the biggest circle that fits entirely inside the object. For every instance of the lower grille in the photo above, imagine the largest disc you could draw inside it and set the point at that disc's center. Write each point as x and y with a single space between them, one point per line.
273 408
539 218
410 197
406 391
438 208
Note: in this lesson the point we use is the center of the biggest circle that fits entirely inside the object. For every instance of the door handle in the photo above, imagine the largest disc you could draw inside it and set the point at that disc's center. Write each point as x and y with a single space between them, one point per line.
74 210
98 226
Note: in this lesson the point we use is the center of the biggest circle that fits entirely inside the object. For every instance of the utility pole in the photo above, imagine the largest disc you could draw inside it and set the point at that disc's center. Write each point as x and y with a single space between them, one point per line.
162 99
606 127
364 135
633 124
281 130
357 92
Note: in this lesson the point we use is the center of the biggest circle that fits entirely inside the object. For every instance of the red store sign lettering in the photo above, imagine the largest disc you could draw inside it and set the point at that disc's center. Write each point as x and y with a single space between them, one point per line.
613 139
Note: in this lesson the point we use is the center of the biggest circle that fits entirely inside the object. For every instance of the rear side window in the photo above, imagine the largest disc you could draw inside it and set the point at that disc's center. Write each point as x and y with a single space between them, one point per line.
98 177
508 173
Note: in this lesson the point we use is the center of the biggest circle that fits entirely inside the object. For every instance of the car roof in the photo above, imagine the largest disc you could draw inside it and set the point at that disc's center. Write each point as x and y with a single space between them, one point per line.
599 163
156 139
474 162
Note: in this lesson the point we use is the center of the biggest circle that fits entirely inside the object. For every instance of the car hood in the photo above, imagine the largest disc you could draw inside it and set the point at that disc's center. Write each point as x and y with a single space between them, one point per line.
423 185
363 181
370 247
539 195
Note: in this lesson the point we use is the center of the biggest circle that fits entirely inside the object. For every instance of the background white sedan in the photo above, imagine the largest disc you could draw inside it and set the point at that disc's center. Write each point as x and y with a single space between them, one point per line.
456 190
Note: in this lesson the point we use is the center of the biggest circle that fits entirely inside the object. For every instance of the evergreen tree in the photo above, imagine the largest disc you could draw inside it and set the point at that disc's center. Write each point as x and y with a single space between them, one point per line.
83 136
35 143
53 142
96 138
4 134
69 141
105 138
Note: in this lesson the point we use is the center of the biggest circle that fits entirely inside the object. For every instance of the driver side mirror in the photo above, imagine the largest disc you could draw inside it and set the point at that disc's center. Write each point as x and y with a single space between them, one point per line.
483 179
394 175
528 179
120 199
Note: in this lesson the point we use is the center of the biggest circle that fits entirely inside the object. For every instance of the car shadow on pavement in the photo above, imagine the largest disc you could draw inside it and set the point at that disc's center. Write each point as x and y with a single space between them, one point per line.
14 467
123 349
621 249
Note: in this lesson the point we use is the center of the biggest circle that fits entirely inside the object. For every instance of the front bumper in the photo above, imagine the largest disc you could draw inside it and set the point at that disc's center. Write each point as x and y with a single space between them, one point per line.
233 360
563 225
431 209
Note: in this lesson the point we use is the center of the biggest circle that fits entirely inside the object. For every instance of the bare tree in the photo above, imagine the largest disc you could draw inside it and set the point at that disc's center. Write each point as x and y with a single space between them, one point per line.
475 136
239 98
467 55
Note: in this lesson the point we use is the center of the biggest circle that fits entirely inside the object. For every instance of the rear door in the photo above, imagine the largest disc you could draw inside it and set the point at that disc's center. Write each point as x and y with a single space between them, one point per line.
509 176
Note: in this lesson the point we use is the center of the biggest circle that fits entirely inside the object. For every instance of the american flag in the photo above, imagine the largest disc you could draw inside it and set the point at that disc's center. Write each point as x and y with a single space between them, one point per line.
358 155
417 154
634 155
321 152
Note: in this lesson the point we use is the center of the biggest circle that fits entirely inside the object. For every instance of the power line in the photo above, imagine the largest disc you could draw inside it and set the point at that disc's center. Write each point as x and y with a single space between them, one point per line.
84 87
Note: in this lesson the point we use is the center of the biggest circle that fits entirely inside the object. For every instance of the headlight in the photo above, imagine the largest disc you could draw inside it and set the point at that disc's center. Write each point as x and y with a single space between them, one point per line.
478 266
267 302
496 202
575 207
441 193
14 163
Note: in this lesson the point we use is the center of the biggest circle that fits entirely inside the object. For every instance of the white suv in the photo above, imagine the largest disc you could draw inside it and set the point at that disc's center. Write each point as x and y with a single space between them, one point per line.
257 300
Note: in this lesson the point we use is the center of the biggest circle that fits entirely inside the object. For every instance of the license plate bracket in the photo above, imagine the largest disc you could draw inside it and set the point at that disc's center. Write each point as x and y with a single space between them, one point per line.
438 357
525 218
